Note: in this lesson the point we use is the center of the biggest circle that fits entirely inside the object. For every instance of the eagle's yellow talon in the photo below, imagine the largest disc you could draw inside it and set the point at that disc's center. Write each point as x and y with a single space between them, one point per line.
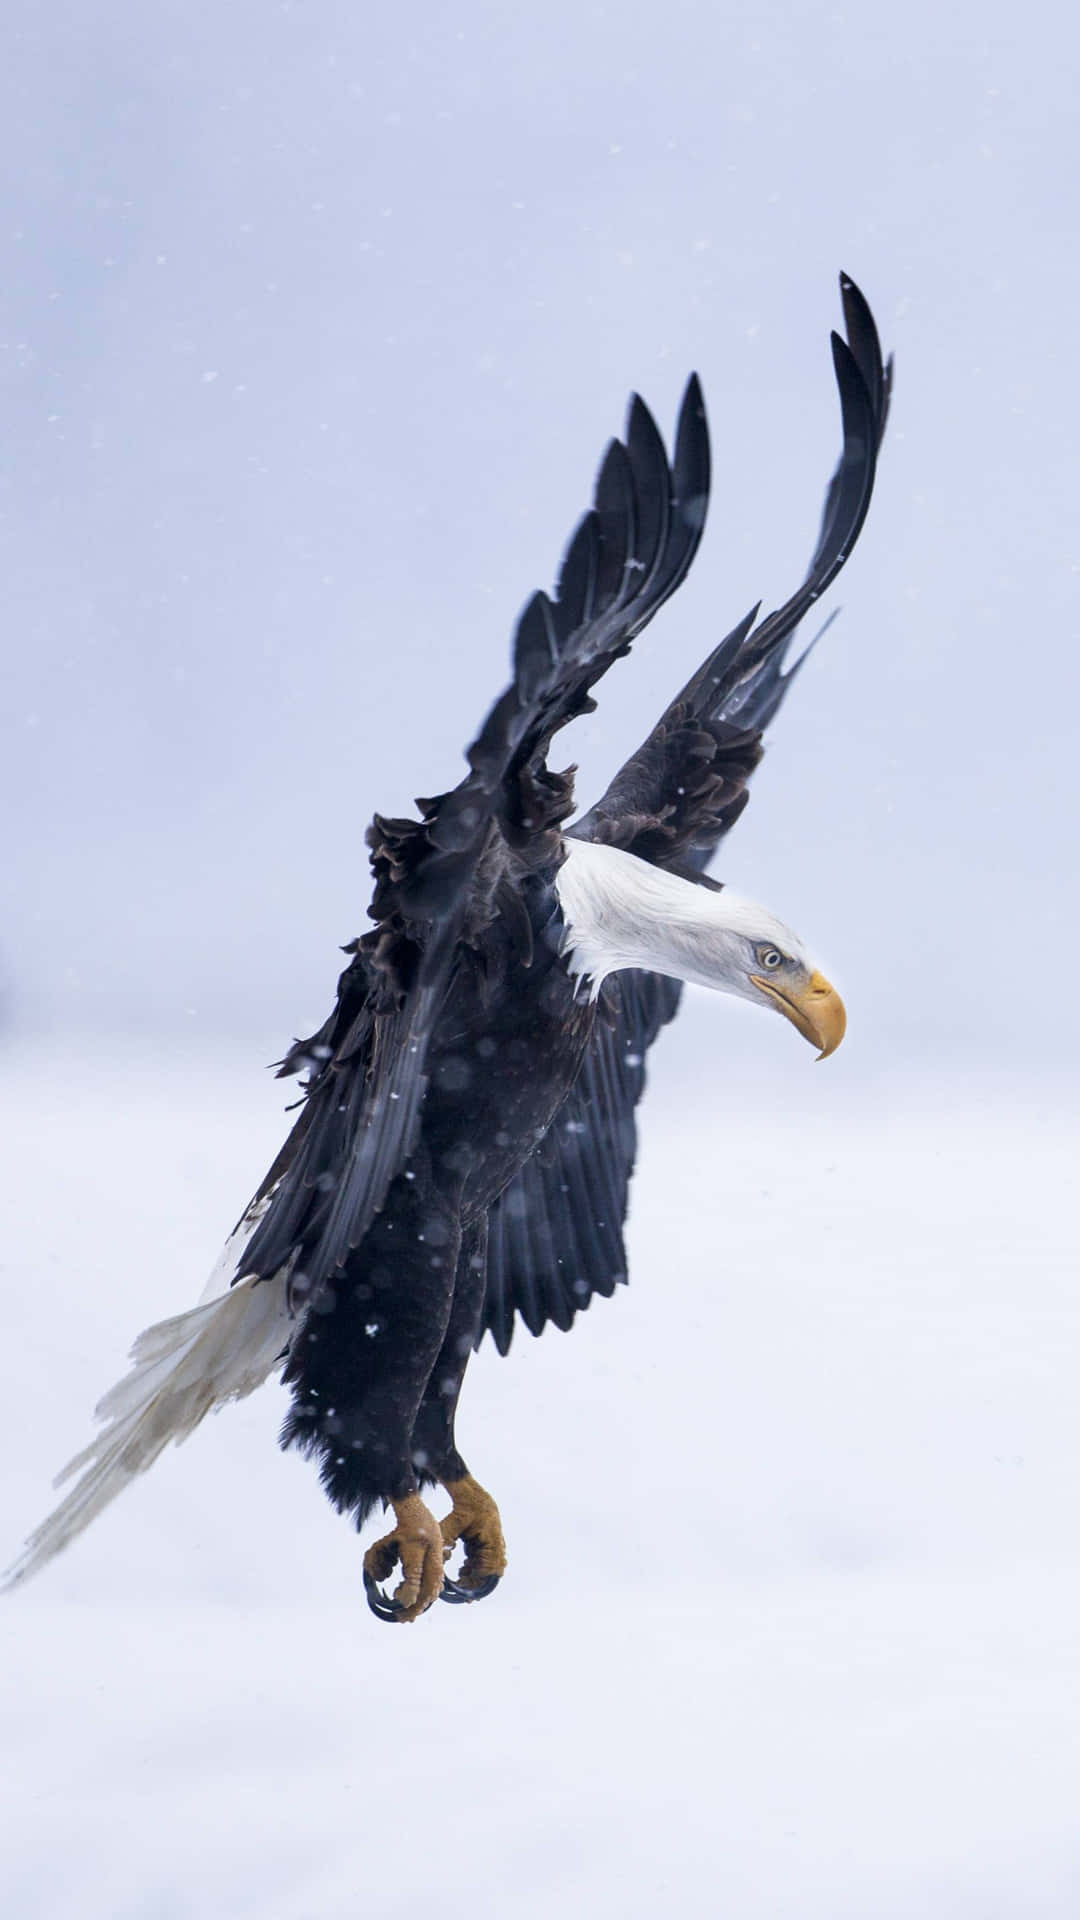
474 1520
416 1540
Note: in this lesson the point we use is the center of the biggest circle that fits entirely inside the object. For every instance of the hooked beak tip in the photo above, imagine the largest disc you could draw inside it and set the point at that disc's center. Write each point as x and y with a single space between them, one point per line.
826 1014
817 1011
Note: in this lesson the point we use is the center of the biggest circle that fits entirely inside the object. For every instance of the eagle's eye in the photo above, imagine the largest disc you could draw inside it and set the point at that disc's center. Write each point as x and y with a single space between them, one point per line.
770 957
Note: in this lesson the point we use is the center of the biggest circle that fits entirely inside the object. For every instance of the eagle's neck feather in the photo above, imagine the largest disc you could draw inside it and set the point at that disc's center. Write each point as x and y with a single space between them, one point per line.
623 912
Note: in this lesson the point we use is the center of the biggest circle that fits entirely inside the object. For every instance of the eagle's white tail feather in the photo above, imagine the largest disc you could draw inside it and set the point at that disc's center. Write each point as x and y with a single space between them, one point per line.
220 1350
229 1262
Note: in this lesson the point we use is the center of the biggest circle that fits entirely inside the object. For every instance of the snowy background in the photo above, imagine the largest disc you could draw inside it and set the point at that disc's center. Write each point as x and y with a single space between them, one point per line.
312 329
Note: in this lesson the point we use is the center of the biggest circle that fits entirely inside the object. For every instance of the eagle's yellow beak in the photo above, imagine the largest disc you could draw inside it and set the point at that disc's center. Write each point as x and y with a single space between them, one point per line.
815 1009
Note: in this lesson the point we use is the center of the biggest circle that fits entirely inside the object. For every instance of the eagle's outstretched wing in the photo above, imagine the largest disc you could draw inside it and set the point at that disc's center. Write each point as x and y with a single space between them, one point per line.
676 797
671 804
367 1066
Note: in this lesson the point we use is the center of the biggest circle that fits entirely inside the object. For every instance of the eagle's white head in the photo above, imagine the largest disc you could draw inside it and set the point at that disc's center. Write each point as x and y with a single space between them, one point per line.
620 911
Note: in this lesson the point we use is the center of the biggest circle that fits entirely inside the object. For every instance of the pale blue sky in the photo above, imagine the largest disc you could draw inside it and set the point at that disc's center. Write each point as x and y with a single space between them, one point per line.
312 328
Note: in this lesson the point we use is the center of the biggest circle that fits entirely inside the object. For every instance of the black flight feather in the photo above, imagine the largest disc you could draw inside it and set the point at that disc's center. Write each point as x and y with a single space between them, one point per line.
547 1255
651 807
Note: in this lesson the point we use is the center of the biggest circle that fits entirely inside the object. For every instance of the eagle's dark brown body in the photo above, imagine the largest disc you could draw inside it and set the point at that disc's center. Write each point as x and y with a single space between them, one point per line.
377 1368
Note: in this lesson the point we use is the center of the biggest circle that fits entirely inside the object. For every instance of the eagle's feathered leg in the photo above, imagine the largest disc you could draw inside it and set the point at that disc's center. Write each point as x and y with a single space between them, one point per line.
474 1517
361 1363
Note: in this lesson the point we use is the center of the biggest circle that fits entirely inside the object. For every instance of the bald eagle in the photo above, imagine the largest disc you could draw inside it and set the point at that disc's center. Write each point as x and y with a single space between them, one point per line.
466 1137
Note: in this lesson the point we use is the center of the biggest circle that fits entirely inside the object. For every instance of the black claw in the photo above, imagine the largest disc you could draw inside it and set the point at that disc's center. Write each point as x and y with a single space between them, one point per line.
456 1595
381 1605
